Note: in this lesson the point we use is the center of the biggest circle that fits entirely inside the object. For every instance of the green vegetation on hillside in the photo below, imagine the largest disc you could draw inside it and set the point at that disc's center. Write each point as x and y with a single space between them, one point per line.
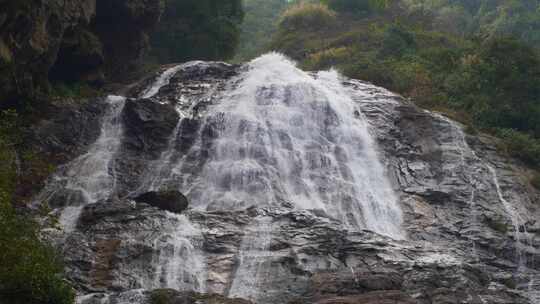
475 60
30 272
260 23
197 30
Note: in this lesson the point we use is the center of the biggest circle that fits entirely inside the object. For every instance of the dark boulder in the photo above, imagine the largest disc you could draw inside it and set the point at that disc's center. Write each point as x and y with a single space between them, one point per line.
172 201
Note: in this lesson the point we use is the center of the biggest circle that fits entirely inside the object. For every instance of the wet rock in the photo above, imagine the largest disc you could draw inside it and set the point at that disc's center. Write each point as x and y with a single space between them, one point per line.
148 125
172 201
161 296
384 297
93 213
168 296
68 132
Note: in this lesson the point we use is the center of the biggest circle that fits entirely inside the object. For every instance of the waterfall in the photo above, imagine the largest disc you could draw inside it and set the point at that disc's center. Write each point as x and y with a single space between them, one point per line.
180 264
284 135
515 217
253 260
90 177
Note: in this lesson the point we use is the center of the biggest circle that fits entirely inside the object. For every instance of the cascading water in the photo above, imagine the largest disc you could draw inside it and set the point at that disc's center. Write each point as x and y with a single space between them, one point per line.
253 259
521 238
284 135
90 177
179 264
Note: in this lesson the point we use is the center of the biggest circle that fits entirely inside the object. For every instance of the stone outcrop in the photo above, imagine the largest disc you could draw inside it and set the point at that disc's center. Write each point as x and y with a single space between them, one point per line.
79 40
471 219
149 125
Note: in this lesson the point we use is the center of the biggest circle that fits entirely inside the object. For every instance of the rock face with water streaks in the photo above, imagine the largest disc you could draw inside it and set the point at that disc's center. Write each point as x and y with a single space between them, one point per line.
452 222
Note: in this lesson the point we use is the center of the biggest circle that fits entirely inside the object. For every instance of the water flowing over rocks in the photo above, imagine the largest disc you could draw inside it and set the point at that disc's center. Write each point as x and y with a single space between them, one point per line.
302 188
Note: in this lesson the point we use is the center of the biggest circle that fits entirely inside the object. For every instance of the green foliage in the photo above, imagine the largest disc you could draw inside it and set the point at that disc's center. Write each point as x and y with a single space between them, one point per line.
197 29
29 270
308 16
397 41
328 57
485 18
260 23
356 6
521 145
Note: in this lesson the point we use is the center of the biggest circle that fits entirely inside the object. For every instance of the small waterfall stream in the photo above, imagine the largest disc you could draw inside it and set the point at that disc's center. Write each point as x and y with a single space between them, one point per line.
253 259
521 236
180 264
90 177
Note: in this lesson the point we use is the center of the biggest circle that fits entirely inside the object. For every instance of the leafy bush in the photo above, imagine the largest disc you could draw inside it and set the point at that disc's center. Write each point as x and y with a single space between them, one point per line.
197 29
30 272
260 22
327 58
308 16
521 145
397 41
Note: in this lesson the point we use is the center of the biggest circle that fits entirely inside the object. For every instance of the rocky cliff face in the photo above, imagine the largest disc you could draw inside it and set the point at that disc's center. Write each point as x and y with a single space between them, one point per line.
469 228
81 40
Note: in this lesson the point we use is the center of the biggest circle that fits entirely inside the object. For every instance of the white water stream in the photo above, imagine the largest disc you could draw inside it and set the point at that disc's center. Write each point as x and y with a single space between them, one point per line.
522 238
180 264
254 258
90 177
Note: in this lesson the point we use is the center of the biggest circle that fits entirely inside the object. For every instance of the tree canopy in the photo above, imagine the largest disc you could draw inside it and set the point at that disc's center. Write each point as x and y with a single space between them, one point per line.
198 29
